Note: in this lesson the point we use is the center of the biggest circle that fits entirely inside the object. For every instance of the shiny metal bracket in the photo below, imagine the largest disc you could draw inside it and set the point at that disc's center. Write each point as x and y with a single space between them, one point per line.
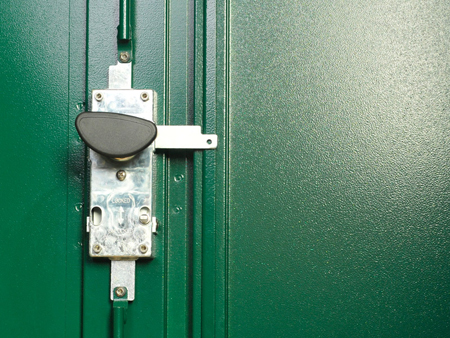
123 275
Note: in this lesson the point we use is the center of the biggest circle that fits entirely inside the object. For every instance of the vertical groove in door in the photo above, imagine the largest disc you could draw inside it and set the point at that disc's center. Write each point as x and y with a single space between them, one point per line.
75 173
197 248
179 111
213 115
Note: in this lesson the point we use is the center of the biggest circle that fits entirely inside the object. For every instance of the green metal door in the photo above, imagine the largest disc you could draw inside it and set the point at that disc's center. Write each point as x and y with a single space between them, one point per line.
324 212
338 169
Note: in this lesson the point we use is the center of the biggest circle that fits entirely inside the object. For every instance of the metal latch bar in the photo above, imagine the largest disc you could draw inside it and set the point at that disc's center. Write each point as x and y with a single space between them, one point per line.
184 137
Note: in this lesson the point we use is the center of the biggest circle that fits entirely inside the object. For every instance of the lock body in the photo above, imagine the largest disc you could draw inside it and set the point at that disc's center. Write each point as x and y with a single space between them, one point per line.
120 223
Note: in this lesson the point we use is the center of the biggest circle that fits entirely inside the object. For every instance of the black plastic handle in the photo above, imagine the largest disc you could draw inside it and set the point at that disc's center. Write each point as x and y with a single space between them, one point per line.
115 135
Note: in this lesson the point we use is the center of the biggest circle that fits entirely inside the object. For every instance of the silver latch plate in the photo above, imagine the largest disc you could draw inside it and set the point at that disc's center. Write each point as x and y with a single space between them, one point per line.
123 275
184 137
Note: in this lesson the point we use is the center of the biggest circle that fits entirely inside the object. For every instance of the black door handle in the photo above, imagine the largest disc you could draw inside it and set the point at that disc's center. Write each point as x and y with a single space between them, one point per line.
115 135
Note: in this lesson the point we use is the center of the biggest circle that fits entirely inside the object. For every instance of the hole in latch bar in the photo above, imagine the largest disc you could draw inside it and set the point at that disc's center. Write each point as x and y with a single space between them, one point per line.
96 215
209 141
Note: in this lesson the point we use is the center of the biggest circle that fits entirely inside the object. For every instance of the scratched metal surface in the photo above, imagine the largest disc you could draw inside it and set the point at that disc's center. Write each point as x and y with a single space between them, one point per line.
339 183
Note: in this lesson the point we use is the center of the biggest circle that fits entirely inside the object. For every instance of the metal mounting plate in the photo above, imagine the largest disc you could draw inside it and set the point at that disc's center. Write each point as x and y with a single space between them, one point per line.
123 275
119 208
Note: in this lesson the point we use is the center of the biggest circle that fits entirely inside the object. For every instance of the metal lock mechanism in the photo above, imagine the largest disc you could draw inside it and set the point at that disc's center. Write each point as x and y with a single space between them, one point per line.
119 132
122 137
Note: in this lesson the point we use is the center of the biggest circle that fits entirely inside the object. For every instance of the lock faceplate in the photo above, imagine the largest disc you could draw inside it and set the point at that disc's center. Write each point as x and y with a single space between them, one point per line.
121 222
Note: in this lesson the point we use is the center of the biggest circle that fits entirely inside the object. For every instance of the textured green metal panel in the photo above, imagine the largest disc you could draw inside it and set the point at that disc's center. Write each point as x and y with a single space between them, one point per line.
339 169
41 92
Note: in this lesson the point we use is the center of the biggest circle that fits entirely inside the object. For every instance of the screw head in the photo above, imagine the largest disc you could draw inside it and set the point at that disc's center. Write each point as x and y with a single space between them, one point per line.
97 248
121 175
124 57
144 96
120 292
99 97
143 248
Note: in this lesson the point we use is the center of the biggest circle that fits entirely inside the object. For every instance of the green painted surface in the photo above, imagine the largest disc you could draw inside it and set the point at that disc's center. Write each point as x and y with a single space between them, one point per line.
41 92
339 179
